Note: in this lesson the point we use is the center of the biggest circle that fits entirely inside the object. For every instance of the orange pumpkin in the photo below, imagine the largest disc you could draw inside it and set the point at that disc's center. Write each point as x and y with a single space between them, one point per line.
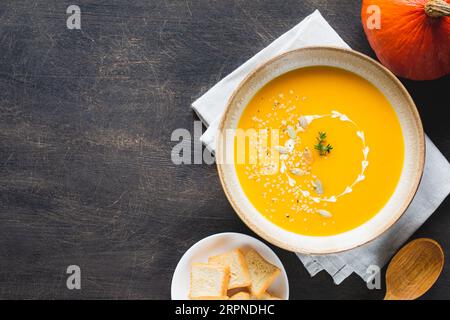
411 37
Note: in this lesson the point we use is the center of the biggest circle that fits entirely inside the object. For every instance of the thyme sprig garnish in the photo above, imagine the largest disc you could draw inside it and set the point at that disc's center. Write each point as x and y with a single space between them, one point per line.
321 145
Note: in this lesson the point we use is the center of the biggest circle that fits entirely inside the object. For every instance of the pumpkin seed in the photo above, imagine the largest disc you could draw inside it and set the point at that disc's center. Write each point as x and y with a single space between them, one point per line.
297 172
324 213
303 122
291 132
318 187
289 145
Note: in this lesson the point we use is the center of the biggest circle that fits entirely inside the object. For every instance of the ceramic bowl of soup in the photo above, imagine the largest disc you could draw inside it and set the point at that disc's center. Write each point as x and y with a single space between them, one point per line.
320 150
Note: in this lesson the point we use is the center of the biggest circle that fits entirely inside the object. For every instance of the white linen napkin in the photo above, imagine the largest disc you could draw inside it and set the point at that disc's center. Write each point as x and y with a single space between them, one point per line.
433 189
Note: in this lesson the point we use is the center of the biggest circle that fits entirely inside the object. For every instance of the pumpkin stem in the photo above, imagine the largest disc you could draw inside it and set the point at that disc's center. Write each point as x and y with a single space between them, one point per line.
437 8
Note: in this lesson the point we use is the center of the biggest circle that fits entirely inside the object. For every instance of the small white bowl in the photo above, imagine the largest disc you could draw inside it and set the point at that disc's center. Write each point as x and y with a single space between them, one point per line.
220 243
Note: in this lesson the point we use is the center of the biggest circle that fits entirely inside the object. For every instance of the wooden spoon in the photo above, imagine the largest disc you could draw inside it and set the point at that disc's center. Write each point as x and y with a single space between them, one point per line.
414 269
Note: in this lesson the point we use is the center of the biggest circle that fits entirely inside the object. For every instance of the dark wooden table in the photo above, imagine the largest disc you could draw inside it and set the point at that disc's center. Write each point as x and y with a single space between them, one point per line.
86 117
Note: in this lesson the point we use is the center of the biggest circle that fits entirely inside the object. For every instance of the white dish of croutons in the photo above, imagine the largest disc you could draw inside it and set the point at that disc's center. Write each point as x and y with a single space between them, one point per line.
231 266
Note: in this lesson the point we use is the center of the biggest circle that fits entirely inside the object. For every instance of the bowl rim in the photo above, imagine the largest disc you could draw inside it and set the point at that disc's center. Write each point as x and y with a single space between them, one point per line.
407 200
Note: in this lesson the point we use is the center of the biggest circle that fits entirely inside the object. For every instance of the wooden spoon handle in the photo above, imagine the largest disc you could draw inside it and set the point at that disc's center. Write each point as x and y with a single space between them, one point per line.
390 296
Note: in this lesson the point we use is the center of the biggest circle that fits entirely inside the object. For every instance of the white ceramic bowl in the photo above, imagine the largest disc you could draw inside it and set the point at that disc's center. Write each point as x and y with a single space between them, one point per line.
412 131
217 244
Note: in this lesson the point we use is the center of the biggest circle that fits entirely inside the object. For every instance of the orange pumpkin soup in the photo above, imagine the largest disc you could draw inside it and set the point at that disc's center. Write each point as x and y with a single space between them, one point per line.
328 154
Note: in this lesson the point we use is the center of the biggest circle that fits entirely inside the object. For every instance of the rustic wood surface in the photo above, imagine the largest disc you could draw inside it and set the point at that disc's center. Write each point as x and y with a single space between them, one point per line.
86 118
